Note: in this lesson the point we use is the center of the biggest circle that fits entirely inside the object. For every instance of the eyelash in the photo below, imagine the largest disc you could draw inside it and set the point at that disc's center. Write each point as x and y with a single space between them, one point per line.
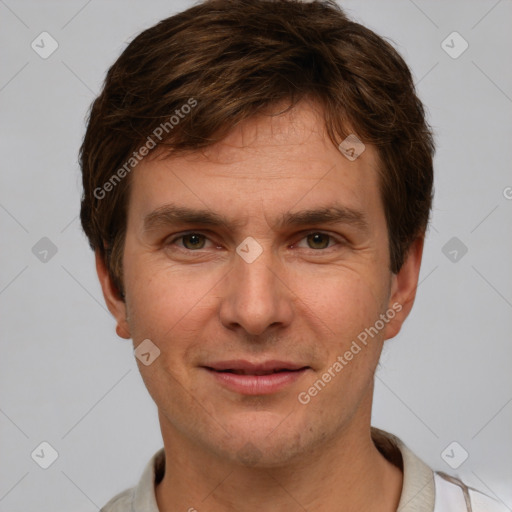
331 238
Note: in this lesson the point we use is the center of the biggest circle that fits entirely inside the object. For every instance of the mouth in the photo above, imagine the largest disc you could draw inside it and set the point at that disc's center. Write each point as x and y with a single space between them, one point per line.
248 378
256 372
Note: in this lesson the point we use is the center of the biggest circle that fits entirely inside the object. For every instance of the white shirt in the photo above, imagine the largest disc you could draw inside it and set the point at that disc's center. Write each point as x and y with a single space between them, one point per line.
423 489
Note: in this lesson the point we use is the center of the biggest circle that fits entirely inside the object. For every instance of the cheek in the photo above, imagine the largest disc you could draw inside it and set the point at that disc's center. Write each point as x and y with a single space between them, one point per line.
167 305
346 300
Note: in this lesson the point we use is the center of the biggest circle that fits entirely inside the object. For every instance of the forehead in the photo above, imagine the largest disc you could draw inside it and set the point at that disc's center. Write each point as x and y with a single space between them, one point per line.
281 161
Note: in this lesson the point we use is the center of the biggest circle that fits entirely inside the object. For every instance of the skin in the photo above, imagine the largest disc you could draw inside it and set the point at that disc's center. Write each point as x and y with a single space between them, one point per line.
299 301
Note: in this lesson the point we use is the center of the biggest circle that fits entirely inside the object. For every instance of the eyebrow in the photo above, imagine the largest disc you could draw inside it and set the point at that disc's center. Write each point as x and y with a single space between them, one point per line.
171 214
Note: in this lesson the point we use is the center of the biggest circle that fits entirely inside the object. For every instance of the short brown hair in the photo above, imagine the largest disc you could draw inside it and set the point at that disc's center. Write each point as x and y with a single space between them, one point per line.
235 59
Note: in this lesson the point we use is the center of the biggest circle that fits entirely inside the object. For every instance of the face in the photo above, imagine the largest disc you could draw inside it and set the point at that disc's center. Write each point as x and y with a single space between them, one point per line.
268 251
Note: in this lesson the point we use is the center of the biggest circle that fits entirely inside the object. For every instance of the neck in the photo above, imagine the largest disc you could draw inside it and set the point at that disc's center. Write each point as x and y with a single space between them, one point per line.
347 473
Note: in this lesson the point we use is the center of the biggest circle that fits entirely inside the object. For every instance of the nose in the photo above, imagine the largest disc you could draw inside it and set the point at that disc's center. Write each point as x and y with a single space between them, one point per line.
257 296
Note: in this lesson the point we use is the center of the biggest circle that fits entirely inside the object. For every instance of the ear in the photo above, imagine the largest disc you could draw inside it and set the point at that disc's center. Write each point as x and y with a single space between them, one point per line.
114 303
403 288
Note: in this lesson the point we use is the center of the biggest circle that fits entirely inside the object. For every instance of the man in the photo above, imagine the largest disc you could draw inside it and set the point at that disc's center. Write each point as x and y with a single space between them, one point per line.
257 185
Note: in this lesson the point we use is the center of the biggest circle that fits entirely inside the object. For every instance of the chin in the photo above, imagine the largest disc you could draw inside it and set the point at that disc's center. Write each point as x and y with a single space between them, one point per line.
261 440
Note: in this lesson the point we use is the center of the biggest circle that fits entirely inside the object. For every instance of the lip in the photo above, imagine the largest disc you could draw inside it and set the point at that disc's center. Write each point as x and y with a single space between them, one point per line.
252 381
249 367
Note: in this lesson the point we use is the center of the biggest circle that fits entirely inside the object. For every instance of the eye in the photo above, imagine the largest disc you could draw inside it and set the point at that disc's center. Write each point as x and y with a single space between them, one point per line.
318 240
190 241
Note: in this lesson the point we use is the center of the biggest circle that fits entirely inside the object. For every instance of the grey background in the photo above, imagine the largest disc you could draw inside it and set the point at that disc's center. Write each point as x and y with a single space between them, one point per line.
67 379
